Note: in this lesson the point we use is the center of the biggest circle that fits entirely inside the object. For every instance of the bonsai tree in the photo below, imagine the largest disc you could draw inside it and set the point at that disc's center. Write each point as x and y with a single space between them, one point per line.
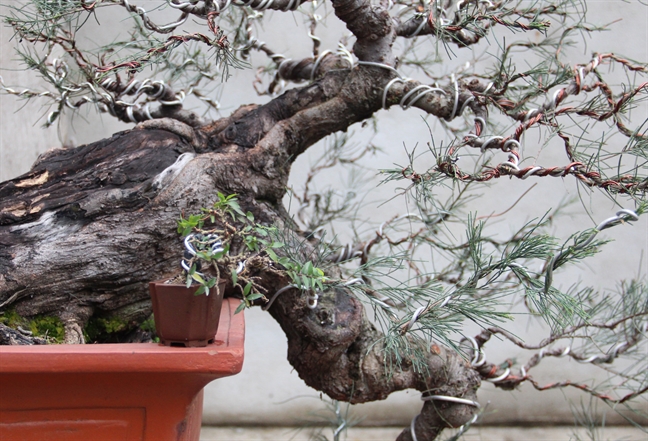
85 230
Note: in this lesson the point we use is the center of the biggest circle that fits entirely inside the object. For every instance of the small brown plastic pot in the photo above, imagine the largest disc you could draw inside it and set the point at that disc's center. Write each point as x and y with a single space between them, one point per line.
183 318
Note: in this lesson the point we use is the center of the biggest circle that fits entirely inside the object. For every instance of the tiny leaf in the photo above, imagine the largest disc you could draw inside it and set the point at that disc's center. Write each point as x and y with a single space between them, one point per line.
198 278
285 262
235 206
272 254
254 296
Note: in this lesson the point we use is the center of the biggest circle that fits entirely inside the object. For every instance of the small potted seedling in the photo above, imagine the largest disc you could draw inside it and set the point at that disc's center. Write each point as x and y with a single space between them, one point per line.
186 308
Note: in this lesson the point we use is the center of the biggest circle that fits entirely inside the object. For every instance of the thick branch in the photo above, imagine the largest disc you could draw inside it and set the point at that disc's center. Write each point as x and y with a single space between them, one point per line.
294 121
420 25
335 349
372 26
308 68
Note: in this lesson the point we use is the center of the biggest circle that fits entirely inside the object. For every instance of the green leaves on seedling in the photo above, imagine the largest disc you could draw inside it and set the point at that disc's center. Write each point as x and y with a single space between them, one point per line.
208 256
254 296
190 274
257 236
254 236
225 204
271 252
186 226
306 275
247 289
234 277
195 276
249 295
240 307
198 278
228 204
205 287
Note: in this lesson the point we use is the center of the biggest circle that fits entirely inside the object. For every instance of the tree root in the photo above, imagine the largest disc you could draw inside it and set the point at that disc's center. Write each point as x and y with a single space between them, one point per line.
10 336
74 319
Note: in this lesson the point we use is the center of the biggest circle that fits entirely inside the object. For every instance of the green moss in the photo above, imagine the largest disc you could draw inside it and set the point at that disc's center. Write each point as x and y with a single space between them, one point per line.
113 325
48 327
103 329
98 329
45 326
148 325
91 331
12 319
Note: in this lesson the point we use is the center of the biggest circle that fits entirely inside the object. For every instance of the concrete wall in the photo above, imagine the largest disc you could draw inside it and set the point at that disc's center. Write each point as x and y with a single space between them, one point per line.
21 138
268 391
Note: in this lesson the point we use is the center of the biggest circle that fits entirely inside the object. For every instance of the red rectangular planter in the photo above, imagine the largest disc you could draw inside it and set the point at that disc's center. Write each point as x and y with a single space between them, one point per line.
114 392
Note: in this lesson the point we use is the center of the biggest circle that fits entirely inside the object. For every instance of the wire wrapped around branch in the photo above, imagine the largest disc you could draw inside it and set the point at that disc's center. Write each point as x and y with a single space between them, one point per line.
622 184
148 23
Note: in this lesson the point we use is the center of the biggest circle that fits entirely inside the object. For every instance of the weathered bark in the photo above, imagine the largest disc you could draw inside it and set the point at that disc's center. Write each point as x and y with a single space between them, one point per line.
122 196
85 230
10 336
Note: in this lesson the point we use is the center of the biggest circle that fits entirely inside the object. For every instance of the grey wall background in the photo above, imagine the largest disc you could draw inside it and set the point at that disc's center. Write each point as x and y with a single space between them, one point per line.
268 391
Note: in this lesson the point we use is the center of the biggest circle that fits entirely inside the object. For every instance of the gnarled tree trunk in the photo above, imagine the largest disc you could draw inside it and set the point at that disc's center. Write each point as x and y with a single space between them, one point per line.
84 231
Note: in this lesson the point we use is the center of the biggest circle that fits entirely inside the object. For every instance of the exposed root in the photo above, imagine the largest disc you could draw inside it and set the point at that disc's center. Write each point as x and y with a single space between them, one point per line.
74 319
10 336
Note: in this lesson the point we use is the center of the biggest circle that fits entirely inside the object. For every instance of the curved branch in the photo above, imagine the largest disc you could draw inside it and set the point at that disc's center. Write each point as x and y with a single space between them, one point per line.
421 25
447 103
336 350
277 5
294 121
